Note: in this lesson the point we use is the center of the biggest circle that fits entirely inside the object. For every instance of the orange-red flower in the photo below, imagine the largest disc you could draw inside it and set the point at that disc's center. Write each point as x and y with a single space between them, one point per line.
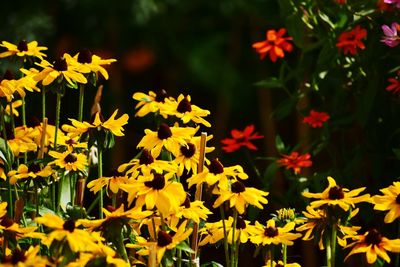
341 2
316 119
351 40
295 161
274 45
394 86
241 138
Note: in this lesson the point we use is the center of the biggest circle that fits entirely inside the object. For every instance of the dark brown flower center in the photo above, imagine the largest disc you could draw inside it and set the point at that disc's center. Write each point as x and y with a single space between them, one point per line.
85 56
279 265
373 237
60 64
398 199
216 167
157 183
186 203
238 187
70 158
34 168
22 45
69 225
8 75
188 150
163 239
18 256
161 95
71 142
271 231
146 158
7 222
240 223
110 208
184 106
33 121
336 192
164 131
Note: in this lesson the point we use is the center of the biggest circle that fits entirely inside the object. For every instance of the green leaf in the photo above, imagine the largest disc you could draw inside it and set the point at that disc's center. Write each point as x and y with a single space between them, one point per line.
6 154
271 82
325 18
280 146
212 264
184 247
285 108
296 29
269 175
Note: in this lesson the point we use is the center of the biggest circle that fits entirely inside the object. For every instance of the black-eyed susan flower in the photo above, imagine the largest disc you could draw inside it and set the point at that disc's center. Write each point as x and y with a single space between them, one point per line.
28 258
373 244
240 197
183 109
271 234
216 172
23 49
389 201
12 231
151 103
194 211
69 160
280 264
102 256
211 233
156 190
59 69
31 171
78 239
22 140
13 110
111 182
187 157
146 163
86 62
335 195
170 138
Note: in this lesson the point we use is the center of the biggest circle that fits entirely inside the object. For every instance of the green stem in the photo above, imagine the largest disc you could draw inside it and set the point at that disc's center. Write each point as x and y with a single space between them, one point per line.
36 199
58 109
328 252
121 247
23 111
53 194
233 249
10 201
100 174
179 256
72 188
12 118
114 200
81 97
59 191
226 248
94 203
333 241
17 198
43 103
284 254
271 255
246 152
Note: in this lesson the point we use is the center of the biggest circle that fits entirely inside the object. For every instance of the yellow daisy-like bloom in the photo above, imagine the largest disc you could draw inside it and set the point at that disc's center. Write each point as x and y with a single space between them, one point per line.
112 183
22 141
27 83
170 138
12 231
186 111
69 160
187 157
3 209
165 241
151 103
7 89
60 69
316 223
195 211
216 172
14 106
374 244
335 195
78 240
280 264
29 258
23 49
113 125
240 197
211 233
71 142
146 163
270 234
49 134
156 190
389 201
86 62
32 171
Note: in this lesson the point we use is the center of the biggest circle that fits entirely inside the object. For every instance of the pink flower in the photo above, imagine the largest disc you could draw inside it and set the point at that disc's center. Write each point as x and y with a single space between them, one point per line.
391 37
394 87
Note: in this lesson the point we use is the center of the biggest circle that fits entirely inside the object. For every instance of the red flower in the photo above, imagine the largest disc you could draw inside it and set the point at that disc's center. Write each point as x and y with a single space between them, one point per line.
351 40
241 138
341 2
275 45
394 87
316 119
295 161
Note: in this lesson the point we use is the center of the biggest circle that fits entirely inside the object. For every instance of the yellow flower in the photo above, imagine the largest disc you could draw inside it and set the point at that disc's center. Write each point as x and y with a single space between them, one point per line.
195 210
187 157
12 231
29 258
156 190
23 49
335 195
60 69
86 62
186 111
389 201
211 233
151 103
14 106
3 209
280 263
78 240
22 141
170 138
374 244
32 171
239 197
270 234
146 163
165 241
216 172
69 160
104 255
112 183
